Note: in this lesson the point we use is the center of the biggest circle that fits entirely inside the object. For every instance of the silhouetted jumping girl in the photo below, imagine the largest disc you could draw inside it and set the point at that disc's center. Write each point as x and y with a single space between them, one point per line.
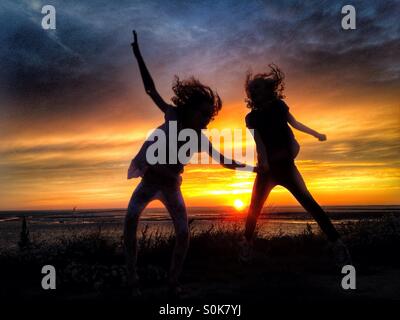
277 148
195 105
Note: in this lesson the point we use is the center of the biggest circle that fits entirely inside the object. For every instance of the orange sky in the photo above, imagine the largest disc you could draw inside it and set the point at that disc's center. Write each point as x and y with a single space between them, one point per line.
74 112
85 166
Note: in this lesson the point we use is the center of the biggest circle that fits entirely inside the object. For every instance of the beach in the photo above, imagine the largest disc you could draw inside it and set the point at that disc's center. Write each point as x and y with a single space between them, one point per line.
48 225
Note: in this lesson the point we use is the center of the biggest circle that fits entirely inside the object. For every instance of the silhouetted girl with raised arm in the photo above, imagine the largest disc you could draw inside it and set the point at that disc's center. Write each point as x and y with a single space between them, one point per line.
195 105
277 148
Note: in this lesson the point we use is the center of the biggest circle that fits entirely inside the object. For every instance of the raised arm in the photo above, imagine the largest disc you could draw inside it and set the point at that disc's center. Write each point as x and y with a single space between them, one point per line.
148 82
303 128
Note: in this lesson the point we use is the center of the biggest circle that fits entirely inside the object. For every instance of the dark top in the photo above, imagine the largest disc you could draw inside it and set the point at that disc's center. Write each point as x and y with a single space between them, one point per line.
271 123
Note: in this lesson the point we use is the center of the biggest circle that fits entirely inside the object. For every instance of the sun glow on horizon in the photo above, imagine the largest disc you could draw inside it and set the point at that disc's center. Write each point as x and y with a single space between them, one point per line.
238 204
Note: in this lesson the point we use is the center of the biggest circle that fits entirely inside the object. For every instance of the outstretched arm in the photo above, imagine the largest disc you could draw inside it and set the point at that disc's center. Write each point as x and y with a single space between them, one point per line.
303 128
221 159
146 77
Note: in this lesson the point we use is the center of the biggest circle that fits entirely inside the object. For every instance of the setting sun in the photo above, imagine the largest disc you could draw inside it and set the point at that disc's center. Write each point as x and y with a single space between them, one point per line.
238 204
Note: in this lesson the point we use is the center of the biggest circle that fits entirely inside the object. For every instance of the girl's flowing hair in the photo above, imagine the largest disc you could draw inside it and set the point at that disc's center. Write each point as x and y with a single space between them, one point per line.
191 93
270 83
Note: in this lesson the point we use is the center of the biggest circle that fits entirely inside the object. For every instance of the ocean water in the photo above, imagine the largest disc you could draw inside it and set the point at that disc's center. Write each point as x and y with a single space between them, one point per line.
48 225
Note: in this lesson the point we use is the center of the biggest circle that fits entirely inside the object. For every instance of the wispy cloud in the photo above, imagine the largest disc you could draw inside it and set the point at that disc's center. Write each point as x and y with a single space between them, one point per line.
73 108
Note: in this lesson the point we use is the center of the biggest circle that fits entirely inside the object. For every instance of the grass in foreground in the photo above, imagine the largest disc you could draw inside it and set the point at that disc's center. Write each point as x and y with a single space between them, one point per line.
91 266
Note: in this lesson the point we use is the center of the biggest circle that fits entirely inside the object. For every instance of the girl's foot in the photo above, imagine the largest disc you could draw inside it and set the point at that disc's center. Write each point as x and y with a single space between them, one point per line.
133 285
135 292
245 250
174 288
341 254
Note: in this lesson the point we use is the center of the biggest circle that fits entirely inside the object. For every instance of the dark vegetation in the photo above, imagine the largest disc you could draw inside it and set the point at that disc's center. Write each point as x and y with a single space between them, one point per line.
301 268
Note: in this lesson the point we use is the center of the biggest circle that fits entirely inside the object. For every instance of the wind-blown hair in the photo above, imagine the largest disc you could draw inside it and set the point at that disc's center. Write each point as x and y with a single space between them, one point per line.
263 88
191 93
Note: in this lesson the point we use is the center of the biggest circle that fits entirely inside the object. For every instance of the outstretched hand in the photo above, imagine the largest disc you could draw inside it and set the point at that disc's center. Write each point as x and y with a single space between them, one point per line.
321 137
233 165
135 43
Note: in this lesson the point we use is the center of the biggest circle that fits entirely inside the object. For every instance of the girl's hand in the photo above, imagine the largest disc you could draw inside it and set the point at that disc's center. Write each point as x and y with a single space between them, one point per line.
135 43
321 137
233 165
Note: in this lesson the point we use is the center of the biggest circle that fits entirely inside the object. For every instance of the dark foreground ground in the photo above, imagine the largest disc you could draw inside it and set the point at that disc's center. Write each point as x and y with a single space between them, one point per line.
287 270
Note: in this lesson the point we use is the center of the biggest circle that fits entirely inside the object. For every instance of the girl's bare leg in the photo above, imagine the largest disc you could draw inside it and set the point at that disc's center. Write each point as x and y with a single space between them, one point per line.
296 185
173 201
142 195
261 189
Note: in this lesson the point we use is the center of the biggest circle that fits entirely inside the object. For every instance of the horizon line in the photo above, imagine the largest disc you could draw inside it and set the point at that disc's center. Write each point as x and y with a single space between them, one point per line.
76 209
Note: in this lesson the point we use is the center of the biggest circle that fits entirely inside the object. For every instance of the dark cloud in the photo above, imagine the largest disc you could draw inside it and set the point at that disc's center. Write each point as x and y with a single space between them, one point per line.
87 60
54 71
307 39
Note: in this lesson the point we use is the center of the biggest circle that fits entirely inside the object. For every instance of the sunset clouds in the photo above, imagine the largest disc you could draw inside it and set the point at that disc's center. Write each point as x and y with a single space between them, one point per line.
74 112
